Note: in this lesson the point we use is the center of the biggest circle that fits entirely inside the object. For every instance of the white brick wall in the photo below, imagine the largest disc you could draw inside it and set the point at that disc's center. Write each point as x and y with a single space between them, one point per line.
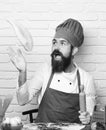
41 17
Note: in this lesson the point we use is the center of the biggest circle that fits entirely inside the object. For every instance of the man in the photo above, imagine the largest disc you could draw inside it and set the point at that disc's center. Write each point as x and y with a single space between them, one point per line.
58 84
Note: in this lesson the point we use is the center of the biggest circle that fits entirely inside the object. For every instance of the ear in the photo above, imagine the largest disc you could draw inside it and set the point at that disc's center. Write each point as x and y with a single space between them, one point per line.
74 51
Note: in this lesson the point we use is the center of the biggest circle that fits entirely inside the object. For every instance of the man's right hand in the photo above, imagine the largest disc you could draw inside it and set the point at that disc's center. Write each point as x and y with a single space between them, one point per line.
17 59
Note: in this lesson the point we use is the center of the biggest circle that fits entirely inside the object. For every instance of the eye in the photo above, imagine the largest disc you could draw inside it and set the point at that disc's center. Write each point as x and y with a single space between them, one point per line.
53 42
64 42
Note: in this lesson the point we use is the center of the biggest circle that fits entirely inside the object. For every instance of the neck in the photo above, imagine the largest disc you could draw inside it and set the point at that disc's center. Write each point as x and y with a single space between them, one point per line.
70 68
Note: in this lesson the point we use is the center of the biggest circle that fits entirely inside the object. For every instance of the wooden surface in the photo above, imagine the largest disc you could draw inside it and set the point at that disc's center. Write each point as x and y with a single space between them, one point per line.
53 126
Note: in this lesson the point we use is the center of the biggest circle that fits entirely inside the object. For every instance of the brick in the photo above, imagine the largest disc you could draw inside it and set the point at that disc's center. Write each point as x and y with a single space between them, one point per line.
92 50
3 24
96 7
5 7
102 16
32 24
61 16
99 1
91 58
101 67
36 58
9 7
3 49
8 84
12 2
102 41
76 1
41 50
91 32
91 24
8 75
64 7
42 33
93 41
7 67
89 67
101 85
102 25
46 1
7 32
45 16
33 67
4 58
99 75
42 40
37 24
103 32
84 59
7 41
101 100
5 91
101 92
35 7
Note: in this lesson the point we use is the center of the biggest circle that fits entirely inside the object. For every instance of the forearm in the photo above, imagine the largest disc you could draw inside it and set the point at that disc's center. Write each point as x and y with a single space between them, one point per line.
22 92
22 95
22 77
90 103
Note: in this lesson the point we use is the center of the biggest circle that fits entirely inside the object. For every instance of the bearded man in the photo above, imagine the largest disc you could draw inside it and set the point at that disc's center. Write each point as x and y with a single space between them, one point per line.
58 83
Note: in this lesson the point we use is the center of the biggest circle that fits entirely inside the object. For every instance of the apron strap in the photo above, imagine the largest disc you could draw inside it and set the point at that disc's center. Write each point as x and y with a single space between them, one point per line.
50 79
48 84
79 80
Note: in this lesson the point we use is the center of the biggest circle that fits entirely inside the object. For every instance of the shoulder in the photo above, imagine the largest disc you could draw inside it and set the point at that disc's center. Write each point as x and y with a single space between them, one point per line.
84 73
88 81
86 77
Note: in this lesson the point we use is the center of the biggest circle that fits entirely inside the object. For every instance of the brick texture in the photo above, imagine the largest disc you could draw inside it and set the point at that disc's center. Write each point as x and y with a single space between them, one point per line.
41 17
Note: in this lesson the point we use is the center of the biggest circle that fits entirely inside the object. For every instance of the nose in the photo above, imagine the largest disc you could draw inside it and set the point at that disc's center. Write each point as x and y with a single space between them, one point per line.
57 46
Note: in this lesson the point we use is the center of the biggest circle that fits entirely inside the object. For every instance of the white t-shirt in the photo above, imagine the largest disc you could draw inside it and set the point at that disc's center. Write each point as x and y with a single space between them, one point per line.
64 82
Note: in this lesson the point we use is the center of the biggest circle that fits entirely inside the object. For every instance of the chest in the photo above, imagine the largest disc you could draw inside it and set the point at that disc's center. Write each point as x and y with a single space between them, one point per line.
63 84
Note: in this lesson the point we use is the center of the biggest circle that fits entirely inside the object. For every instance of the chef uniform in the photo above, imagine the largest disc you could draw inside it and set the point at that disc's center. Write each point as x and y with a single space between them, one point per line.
57 106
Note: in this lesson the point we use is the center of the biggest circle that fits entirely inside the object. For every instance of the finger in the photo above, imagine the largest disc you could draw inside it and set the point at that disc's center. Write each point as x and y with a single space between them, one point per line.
84 121
14 59
19 51
83 113
11 51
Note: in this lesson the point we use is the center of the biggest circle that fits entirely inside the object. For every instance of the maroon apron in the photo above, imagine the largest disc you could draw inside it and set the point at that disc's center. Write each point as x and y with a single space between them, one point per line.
59 106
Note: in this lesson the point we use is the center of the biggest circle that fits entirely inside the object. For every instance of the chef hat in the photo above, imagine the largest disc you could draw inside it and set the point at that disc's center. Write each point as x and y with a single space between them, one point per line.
72 31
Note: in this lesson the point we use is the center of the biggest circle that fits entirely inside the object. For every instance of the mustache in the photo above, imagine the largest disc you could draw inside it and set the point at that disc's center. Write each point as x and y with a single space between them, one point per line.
56 52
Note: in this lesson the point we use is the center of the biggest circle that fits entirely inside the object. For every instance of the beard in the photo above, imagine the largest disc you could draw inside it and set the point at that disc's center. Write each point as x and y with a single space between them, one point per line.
60 65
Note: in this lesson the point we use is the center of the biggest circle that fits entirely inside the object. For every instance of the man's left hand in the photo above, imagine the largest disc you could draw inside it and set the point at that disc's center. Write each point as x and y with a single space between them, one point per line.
84 117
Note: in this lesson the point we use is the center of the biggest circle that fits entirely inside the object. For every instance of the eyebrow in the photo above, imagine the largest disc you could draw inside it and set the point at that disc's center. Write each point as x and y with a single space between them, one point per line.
60 39
54 39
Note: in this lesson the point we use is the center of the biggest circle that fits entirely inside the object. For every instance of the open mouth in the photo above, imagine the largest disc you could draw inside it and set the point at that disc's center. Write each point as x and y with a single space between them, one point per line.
57 56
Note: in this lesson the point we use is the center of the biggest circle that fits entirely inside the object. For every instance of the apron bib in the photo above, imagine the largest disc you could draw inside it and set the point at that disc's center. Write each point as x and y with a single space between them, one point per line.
59 106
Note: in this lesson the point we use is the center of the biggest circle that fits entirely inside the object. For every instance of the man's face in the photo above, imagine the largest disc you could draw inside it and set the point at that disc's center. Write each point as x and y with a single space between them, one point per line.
61 54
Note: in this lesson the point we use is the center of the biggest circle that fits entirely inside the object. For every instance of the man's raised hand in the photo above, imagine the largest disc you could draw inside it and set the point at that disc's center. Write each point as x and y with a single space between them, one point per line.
17 58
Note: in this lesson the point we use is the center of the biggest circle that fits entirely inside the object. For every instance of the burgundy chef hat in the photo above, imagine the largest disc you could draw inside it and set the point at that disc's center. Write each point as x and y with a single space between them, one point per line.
72 31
